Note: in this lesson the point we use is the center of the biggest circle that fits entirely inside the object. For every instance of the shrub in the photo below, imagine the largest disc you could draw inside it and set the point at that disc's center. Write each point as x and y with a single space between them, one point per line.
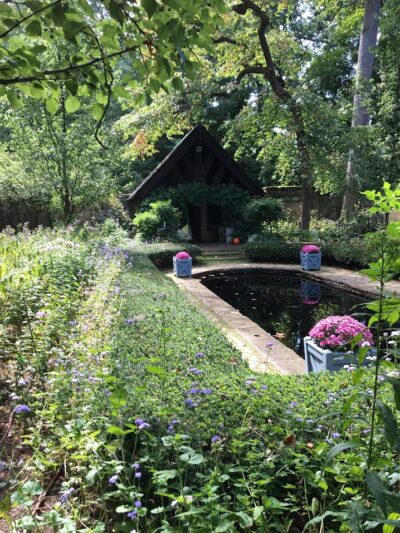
161 253
273 249
160 221
262 211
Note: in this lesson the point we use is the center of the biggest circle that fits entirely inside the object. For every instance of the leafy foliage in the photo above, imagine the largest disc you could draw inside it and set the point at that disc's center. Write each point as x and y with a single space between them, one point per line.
159 222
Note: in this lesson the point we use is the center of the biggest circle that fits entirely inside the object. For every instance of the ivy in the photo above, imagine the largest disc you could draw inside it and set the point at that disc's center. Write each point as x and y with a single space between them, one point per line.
231 199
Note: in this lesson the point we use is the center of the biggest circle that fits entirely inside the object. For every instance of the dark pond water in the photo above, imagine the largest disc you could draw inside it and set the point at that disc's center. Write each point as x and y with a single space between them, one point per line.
284 305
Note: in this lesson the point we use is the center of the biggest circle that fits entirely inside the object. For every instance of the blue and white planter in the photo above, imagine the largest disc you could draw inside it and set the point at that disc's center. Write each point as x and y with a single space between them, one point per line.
318 359
310 291
182 267
310 260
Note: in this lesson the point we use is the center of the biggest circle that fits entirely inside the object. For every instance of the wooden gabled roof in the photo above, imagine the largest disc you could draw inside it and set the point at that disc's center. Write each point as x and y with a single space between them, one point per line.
197 137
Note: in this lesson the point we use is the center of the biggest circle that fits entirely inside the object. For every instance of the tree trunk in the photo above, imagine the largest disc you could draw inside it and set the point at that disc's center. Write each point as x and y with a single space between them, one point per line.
365 63
65 184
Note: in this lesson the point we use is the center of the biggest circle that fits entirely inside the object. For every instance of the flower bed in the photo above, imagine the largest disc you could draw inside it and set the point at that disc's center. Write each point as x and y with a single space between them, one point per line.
152 413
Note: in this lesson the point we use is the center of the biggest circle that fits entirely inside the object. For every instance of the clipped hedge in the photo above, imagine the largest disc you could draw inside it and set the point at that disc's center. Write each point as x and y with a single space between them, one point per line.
274 250
356 252
161 253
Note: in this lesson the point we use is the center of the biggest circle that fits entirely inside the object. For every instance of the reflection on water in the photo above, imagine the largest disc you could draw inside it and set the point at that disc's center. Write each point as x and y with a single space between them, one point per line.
286 306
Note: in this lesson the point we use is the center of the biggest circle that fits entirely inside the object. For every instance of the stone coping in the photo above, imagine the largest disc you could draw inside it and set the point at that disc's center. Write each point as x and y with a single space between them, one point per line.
249 338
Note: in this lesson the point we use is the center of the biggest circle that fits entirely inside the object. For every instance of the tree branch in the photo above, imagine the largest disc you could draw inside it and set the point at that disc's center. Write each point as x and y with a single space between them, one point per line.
277 83
256 69
27 17
226 39
65 70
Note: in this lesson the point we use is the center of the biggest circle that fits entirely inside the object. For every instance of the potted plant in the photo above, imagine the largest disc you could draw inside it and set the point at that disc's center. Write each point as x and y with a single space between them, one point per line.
330 343
310 293
310 257
182 263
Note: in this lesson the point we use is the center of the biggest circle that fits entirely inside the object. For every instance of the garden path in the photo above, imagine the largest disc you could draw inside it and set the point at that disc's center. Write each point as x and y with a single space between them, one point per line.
249 338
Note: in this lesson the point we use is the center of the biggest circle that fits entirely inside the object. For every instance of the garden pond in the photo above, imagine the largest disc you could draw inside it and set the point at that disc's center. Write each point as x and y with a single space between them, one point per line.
285 305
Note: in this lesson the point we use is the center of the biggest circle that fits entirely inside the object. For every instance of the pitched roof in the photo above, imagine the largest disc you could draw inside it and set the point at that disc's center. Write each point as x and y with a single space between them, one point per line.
197 136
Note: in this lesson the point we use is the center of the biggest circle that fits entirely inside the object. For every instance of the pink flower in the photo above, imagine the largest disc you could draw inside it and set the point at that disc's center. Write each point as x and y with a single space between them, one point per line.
339 331
310 248
182 255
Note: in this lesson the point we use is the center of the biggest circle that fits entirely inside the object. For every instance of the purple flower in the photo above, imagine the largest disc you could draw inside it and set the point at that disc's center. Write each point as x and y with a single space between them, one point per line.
269 344
113 479
64 497
40 314
190 403
215 439
206 391
129 321
138 504
136 466
141 424
138 475
132 515
293 404
22 409
200 355
264 387
195 371
335 435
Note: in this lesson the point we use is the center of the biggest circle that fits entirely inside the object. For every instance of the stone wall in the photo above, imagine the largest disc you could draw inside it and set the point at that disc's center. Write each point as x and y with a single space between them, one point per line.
326 206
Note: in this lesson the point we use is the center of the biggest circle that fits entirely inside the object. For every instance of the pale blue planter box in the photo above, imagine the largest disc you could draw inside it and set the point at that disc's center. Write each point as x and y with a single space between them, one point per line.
310 260
182 267
317 359
310 291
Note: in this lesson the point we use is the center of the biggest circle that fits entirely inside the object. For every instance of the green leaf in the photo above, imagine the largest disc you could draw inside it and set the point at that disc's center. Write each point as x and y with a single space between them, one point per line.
339 448
223 526
177 84
162 476
150 6
123 508
157 510
118 398
14 99
390 423
52 105
97 111
257 511
115 430
244 519
34 28
72 104
157 370
377 489
395 382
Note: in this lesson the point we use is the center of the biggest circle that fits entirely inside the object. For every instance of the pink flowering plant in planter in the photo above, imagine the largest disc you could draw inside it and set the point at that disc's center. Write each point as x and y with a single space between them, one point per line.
182 255
310 257
310 249
182 263
341 333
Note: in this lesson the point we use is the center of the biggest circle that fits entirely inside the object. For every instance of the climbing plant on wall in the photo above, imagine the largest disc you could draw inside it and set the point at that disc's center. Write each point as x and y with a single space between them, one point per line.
231 199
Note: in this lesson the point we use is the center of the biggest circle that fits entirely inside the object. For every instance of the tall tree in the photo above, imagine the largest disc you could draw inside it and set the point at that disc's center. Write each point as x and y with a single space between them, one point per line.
361 116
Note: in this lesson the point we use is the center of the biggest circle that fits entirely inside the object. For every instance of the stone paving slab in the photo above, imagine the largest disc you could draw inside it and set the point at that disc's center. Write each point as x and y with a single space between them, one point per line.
249 338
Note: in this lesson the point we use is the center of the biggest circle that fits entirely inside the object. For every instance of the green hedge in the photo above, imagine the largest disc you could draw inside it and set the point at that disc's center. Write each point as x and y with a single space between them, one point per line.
273 250
161 253
354 252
